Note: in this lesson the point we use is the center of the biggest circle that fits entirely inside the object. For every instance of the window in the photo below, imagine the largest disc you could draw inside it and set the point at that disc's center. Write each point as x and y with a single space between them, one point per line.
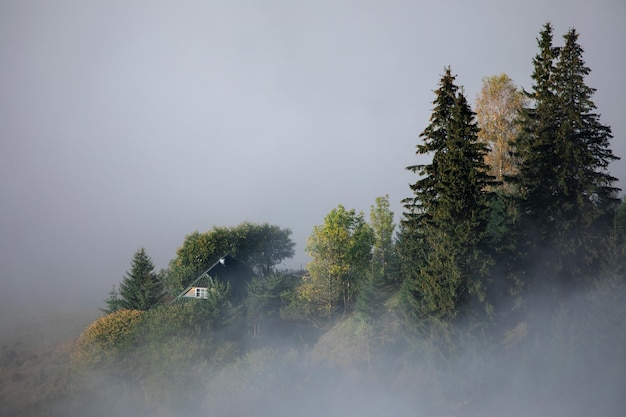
201 292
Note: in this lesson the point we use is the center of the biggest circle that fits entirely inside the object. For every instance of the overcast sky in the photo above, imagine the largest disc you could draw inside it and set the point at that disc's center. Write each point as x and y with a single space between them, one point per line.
134 123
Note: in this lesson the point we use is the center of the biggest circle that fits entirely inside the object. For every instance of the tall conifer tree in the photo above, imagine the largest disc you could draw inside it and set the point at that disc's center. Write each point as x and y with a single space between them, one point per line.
535 143
447 216
566 194
537 160
587 196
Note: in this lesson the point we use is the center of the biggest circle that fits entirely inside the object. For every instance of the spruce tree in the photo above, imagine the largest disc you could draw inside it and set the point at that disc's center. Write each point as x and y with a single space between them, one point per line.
618 263
535 146
565 192
444 222
534 182
586 195
113 302
141 288
620 227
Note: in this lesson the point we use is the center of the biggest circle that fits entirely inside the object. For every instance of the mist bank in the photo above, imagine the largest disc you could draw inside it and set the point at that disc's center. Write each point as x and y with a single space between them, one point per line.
565 360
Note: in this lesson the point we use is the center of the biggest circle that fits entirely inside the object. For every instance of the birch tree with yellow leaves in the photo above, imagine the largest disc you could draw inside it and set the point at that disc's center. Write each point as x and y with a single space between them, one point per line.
497 107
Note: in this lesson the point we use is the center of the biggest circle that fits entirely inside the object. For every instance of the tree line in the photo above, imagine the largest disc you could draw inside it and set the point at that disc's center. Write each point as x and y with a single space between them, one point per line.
516 200
519 205
513 217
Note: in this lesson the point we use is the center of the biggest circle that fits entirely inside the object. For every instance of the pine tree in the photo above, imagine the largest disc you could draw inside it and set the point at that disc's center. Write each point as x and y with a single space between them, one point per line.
618 240
614 258
620 227
586 195
534 145
113 301
565 192
141 288
444 223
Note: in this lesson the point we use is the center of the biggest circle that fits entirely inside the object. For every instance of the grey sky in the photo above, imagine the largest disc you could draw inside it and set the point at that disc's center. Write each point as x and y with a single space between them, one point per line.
133 123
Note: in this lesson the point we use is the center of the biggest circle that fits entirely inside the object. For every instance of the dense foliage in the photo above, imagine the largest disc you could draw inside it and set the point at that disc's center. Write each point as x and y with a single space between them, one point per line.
340 250
108 338
261 246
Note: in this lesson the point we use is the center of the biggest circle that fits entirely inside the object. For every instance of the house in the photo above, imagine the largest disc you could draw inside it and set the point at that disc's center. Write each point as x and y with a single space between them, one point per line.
197 292
228 270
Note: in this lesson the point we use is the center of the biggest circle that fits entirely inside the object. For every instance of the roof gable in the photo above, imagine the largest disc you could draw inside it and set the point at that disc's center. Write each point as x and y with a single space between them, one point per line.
227 270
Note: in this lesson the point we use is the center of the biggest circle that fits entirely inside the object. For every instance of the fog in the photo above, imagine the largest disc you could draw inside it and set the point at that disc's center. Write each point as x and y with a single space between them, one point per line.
134 123
568 360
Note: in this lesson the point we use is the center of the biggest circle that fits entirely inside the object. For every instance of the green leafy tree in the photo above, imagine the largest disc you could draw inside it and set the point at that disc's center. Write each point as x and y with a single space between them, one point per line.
263 246
141 288
260 246
307 303
449 212
340 249
198 252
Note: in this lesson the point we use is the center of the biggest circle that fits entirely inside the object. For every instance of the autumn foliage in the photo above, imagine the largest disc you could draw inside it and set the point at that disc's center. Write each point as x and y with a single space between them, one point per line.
107 338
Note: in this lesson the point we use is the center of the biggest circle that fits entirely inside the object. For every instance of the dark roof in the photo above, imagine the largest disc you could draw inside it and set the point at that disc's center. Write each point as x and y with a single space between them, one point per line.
227 270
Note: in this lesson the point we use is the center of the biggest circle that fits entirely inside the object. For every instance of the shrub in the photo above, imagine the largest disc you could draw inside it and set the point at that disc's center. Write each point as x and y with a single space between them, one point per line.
105 339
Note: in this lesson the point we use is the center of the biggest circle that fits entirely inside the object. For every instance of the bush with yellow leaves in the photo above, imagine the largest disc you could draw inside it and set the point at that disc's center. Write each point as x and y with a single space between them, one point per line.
106 338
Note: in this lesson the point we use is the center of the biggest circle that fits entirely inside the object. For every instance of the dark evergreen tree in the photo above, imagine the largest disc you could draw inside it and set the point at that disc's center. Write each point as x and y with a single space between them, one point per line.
565 193
586 195
615 259
141 288
371 296
620 227
113 302
502 243
411 243
537 160
535 144
383 264
444 223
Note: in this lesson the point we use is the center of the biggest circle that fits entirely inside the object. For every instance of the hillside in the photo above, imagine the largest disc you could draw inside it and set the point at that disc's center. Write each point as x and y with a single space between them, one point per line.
35 369
568 361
